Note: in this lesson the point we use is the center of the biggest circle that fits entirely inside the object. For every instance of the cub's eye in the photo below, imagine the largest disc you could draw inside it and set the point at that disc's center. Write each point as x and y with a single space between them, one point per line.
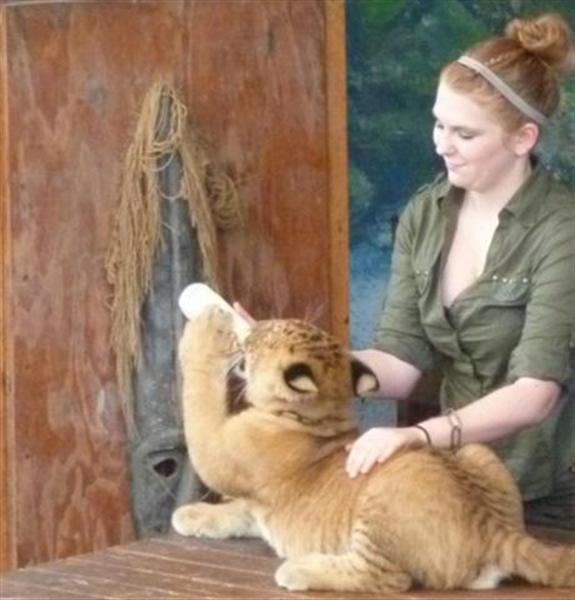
240 367
299 377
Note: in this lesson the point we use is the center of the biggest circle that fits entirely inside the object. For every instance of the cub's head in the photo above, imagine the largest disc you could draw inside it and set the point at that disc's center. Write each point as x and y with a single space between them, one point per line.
291 365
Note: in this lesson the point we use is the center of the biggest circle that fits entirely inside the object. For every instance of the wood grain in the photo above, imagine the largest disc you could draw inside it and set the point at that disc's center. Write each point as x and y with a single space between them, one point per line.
338 205
262 99
77 76
7 500
253 75
182 568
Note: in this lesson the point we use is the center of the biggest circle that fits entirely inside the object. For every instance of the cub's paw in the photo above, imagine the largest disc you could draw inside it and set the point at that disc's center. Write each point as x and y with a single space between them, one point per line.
295 575
210 332
198 520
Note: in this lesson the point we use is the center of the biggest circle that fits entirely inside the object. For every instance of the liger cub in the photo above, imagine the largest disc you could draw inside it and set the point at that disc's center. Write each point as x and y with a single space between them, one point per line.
440 519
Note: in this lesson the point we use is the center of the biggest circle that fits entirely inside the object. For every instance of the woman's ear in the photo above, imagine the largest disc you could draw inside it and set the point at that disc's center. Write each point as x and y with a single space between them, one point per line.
363 378
525 138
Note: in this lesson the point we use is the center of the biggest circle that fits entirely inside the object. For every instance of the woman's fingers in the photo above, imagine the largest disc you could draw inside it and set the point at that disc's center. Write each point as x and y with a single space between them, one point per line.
374 446
365 452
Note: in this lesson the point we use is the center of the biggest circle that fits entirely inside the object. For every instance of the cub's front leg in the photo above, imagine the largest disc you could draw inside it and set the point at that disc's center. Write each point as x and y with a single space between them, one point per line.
206 352
228 519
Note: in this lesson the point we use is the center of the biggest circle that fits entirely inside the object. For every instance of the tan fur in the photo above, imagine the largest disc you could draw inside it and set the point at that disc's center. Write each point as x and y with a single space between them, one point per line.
440 519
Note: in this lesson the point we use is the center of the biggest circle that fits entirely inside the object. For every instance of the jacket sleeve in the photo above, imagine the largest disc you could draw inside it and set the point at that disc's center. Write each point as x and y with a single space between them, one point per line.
546 346
400 331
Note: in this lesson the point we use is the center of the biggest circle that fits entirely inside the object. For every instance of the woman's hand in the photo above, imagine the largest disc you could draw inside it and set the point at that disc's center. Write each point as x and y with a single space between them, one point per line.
377 445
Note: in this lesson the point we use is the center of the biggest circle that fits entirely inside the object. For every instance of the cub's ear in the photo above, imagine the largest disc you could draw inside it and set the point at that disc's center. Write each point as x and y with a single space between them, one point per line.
363 378
299 378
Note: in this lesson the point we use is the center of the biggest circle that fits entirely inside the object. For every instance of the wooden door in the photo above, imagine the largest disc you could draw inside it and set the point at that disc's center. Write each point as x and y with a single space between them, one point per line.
265 82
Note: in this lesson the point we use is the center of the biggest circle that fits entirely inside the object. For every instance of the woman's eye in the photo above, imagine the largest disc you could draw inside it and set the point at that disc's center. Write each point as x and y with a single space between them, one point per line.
466 135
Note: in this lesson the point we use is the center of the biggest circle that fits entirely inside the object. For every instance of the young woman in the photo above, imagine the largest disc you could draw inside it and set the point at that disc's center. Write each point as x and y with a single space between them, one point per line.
483 276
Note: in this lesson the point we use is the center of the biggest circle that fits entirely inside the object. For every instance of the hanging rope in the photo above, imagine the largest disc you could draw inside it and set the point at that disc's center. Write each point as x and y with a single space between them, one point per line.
162 133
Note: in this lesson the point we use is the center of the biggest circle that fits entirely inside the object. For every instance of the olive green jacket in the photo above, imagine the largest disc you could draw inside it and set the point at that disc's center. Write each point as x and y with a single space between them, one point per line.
516 320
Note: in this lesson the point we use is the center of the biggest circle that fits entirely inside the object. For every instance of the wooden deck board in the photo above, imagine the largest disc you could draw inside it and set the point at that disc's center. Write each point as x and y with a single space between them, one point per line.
193 569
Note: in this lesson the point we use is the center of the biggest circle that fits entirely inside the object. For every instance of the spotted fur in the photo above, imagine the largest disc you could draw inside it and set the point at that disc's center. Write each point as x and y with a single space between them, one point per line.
440 519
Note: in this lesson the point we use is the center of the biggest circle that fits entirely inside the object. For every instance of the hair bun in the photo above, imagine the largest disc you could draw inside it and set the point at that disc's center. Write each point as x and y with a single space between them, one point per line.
548 37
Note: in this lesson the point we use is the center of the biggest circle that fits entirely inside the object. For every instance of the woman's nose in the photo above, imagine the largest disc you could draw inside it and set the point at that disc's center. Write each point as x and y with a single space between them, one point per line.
443 144
444 149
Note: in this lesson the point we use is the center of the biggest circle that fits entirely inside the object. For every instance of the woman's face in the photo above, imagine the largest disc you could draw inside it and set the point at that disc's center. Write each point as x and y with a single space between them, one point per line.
475 148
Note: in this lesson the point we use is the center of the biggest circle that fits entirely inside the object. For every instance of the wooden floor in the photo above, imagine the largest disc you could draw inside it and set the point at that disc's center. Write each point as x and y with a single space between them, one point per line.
191 569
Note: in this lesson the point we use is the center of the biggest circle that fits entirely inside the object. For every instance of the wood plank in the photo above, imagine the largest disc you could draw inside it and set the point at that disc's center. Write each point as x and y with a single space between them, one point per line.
262 103
16 588
88 585
192 568
164 575
7 490
77 75
338 205
204 554
67 584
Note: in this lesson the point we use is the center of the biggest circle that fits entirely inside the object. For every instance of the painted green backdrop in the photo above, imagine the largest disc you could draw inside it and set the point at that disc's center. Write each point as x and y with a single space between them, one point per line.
396 49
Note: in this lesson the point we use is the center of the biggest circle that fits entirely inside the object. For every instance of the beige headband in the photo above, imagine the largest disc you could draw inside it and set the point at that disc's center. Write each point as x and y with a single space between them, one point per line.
504 89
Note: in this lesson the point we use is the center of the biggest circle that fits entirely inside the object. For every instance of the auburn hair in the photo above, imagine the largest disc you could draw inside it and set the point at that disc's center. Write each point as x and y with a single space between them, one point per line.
531 58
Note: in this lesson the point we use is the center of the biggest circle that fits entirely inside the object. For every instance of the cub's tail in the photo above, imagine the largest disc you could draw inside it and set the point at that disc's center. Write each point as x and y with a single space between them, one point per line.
521 554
